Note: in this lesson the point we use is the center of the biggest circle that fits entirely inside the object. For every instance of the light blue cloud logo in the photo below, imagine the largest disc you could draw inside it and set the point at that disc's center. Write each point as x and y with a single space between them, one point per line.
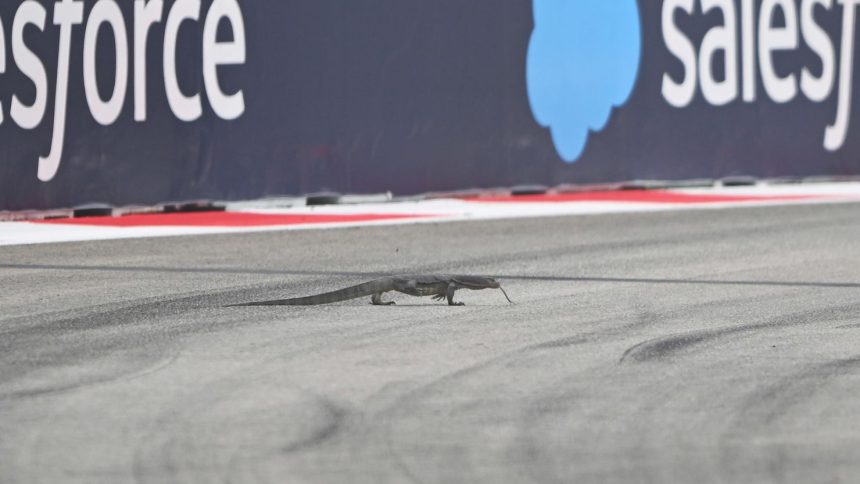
583 60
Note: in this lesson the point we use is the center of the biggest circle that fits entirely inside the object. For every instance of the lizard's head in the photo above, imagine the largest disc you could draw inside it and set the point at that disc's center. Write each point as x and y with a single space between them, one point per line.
476 282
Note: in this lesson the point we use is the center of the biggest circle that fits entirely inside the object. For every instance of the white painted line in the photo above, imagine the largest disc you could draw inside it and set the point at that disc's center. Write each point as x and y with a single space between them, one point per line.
434 211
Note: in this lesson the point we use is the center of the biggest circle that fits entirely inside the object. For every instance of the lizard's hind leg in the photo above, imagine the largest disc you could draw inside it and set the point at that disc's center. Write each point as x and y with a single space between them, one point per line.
376 300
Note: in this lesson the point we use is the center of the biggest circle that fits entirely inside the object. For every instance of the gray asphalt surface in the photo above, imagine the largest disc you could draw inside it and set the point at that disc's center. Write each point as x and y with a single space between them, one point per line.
705 346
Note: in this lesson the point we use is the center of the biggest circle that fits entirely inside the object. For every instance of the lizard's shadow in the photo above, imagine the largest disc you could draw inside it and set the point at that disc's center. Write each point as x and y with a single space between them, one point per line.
429 305
398 305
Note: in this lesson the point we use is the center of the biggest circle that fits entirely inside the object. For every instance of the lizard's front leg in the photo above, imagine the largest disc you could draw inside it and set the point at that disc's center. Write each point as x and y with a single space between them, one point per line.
450 295
376 300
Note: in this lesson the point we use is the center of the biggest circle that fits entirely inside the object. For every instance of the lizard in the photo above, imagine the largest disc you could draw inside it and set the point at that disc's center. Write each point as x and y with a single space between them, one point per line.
439 286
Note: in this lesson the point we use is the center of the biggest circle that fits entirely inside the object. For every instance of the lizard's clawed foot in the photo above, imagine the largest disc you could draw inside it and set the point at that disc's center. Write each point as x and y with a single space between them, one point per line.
456 304
438 297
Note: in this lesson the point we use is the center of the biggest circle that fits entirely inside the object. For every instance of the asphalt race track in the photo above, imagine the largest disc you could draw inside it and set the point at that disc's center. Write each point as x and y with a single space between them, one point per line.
692 346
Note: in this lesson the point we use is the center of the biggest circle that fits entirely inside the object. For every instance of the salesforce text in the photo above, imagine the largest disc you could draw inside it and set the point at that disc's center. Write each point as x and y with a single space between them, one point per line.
769 39
106 13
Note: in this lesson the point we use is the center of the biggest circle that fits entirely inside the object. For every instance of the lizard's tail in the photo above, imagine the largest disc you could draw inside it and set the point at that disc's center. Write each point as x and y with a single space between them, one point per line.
506 295
361 290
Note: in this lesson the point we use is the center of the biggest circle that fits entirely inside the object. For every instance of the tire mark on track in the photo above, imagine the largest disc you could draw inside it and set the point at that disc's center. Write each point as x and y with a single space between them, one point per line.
96 317
40 433
668 346
768 404
86 336
176 444
335 417
129 375
659 348
761 412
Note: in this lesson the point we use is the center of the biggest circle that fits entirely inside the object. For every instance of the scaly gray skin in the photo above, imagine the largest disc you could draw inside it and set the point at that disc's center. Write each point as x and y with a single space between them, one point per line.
439 286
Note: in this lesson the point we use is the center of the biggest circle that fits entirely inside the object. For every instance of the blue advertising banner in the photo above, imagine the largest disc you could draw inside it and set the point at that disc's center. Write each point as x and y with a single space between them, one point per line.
145 101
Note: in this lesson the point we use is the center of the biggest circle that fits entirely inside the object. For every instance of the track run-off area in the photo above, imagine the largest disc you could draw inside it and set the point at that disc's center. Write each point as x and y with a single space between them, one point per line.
654 346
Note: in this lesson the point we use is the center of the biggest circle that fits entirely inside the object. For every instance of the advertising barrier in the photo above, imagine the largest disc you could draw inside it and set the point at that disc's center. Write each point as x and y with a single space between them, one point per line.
146 101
